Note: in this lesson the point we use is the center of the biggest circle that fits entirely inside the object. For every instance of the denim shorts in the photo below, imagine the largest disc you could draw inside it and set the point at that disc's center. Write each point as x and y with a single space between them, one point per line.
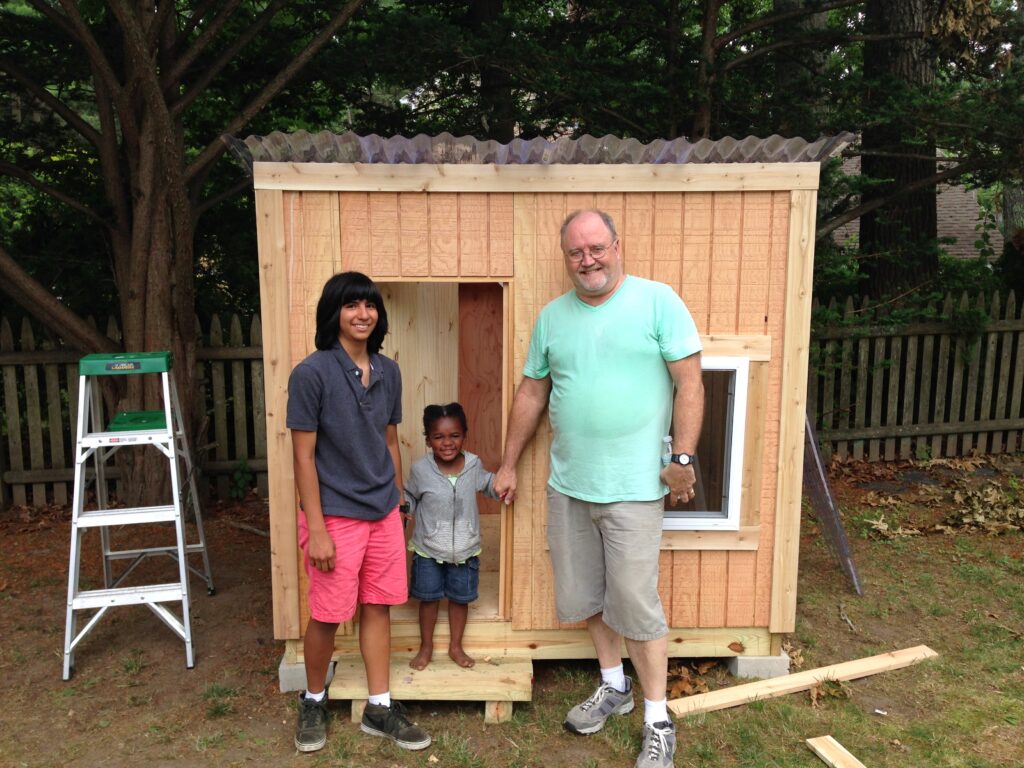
432 580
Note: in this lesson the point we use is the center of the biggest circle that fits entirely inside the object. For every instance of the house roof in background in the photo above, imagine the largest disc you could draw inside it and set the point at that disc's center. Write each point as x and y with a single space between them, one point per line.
327 147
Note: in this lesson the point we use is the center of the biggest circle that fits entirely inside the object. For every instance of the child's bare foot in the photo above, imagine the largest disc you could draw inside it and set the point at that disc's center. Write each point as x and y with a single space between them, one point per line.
421 659
459 657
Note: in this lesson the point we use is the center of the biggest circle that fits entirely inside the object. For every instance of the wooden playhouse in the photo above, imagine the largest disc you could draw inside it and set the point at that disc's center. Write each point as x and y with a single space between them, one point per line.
463 238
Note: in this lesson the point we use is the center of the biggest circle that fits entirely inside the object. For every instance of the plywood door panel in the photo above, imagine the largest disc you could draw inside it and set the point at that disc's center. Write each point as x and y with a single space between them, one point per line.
727 218
424 341
685 609
668 241
480 373
756 249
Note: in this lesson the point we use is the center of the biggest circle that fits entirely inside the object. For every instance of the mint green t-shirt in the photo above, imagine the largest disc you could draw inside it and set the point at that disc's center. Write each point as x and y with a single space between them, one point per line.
611 392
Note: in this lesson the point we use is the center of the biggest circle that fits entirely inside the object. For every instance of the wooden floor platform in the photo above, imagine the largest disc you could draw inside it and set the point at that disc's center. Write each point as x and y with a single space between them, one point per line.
496 681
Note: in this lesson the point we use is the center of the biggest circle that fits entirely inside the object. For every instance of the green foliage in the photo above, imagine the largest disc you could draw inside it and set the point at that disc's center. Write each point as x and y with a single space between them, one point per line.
241 480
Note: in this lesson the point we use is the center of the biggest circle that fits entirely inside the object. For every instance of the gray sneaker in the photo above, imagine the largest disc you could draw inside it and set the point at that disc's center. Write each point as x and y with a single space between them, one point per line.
311 729
659 746
589 717
391 722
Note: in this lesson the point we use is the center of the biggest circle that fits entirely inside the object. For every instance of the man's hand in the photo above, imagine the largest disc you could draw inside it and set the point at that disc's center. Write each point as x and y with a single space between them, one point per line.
681 482
505 482
320 551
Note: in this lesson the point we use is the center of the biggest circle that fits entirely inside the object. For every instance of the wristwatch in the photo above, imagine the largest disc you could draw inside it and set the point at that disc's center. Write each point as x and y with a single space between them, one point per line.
404 507
683 459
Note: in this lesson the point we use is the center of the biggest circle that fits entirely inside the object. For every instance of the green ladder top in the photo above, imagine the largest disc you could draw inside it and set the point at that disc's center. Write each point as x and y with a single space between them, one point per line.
122 363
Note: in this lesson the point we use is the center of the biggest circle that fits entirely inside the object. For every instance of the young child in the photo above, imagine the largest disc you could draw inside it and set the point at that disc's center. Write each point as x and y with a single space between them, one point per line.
441 492
344 405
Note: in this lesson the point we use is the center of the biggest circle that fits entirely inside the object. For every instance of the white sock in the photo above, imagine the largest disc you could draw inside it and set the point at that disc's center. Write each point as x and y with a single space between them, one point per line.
655 711
615 677
316 696
384 699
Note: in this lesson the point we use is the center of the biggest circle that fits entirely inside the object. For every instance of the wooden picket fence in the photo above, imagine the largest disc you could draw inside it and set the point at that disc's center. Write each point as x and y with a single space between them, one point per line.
951 387
39 402
878 391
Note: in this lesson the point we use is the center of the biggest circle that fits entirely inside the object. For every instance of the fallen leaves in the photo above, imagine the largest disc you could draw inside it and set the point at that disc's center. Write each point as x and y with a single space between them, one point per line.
688 679
992 508
827 689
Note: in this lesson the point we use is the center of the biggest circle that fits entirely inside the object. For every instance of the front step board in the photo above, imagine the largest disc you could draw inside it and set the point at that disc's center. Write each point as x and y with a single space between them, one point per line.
97 518
150 593
493 678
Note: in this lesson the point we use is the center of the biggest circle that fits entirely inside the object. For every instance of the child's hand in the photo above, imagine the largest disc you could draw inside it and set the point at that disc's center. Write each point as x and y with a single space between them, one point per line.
320 551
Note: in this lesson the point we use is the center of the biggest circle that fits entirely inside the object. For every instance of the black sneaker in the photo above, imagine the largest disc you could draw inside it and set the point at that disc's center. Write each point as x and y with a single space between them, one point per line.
391 722
311 730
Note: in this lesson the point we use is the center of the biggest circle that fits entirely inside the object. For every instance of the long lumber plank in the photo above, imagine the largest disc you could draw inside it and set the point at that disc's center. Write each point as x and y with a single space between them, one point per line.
832 753
779 686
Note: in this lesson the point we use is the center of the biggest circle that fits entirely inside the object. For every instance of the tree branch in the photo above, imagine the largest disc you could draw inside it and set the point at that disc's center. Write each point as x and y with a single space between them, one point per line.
220 197
201 43
42 305
80 31
216 147
766 21
9 169
866 207
210 72
830 38
47 99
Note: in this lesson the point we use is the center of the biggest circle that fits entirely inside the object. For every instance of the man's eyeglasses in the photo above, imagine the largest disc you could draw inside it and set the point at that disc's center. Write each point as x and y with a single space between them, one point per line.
596 252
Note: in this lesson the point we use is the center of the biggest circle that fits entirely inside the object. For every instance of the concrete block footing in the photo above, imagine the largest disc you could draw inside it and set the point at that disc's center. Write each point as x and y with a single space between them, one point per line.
291 676
763 667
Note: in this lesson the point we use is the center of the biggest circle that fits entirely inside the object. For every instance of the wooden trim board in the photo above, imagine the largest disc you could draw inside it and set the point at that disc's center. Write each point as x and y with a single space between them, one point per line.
801 681
745 539
832 753
487 177
795 354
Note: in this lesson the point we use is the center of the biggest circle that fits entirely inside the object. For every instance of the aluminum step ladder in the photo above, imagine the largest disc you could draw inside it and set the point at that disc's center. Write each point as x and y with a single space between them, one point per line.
163 430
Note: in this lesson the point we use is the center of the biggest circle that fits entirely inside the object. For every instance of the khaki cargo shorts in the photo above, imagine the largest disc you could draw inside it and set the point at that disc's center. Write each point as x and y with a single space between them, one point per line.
605 559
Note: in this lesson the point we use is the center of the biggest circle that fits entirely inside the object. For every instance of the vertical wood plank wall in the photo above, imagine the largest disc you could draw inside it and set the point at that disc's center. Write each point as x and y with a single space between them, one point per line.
724 252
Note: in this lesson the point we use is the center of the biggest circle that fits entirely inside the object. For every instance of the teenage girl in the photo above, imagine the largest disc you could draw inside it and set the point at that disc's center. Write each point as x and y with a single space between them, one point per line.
442 491
344 406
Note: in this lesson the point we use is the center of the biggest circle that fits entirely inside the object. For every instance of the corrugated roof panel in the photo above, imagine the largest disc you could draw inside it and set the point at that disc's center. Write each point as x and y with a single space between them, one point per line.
326 147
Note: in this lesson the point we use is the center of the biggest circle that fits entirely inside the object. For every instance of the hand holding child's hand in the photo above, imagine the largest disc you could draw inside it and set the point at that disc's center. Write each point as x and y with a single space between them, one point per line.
505 484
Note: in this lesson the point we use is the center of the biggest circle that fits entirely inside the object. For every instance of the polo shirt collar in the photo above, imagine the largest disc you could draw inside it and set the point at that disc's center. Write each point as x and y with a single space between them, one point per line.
352 371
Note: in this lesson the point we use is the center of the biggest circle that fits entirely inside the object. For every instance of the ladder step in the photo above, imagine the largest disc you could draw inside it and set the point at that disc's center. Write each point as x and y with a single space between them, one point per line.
150 593
128 554
129 437
97 518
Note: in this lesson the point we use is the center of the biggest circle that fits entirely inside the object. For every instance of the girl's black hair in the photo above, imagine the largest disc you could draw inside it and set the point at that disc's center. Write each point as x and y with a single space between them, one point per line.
432 413
342 289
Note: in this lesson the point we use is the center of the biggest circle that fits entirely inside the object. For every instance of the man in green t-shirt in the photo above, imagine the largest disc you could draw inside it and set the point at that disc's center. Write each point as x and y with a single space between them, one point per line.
617 363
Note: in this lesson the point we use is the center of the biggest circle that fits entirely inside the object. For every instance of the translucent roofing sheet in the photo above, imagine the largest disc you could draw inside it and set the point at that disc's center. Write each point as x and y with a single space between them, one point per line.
327 147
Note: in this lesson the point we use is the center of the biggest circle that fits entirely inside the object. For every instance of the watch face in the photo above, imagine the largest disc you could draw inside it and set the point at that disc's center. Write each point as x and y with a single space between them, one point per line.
684 458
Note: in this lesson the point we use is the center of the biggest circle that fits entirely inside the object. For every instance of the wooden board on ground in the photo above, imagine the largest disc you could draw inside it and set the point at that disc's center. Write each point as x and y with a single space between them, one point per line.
500 679
833 753
767 689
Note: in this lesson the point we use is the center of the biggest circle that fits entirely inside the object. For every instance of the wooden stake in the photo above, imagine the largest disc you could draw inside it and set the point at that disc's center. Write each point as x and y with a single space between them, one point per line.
801 681
833 753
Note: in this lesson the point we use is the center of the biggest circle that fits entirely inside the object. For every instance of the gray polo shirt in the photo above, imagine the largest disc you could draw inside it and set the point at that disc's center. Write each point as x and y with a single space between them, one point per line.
326 395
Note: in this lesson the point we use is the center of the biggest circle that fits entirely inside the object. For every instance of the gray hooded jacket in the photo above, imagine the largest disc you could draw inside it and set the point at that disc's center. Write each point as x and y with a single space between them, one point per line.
447 518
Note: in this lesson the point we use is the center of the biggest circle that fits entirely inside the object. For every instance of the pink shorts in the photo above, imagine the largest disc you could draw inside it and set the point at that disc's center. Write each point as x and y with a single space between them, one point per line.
369 566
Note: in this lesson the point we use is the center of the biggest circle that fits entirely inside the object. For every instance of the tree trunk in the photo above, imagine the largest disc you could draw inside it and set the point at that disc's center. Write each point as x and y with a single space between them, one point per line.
898 241
497 110
797 68
706 71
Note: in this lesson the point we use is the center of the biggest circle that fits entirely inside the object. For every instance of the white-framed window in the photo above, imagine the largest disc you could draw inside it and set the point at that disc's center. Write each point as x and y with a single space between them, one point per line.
716 506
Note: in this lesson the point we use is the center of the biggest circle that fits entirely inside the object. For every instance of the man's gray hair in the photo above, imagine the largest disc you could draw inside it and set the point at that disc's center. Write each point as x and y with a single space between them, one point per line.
605 217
